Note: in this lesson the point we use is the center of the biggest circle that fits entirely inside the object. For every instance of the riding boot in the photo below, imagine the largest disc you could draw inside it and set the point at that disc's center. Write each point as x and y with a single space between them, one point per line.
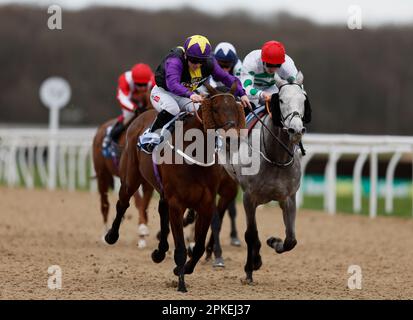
116 131
162 118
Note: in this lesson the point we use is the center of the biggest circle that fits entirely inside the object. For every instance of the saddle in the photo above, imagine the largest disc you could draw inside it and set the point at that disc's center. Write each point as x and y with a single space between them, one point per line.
167 129
251 119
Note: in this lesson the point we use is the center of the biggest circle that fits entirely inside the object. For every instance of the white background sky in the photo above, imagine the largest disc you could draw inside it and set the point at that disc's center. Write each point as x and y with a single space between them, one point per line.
374 12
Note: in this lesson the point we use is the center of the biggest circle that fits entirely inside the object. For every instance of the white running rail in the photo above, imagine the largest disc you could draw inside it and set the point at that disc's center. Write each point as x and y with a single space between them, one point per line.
23 159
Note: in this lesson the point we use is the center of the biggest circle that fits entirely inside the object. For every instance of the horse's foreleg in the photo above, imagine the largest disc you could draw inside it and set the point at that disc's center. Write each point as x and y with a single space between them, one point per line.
289 209
125 193
130 182
176 218
202 224
254 261
158 255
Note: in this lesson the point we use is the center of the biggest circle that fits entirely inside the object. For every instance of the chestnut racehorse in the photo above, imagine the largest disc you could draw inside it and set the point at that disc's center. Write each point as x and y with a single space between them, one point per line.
183 186
106 169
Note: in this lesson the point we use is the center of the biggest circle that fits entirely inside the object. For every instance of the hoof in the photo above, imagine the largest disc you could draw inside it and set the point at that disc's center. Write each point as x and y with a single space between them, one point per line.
157 256
188 269
289 244
111 237
141 243
276 243
182 288
235 242
247 281
143 230
219 263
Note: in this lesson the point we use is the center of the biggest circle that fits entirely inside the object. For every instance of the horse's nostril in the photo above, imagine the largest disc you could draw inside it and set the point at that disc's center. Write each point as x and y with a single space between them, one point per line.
291 130
303 130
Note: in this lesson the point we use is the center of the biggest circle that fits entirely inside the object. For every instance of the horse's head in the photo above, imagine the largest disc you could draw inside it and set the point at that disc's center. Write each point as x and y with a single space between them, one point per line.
290 107
221 110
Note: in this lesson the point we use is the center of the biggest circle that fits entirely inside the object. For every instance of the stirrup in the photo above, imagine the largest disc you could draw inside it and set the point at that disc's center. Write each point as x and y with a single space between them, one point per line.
148 141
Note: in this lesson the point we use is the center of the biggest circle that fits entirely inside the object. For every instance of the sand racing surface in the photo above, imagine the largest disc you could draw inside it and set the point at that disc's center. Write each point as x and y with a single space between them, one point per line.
39 229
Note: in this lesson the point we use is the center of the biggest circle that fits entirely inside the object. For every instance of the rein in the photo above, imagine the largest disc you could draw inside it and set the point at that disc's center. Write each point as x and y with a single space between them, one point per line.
195 111
273 135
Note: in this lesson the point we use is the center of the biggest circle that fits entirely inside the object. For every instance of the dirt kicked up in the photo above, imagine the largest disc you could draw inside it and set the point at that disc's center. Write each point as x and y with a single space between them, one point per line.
39 229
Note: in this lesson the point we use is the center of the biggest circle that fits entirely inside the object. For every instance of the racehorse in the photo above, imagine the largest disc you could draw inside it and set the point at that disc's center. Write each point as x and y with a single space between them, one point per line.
279 173
181 186
106 169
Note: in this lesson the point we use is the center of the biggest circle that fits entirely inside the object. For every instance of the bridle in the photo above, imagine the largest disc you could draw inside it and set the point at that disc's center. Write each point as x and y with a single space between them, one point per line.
290 116
293 114
195 111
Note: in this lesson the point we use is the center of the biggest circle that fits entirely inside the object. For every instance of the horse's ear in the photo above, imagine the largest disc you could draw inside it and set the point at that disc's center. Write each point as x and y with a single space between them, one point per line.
233 88
207 116
307 110
276 110
299 78
210 89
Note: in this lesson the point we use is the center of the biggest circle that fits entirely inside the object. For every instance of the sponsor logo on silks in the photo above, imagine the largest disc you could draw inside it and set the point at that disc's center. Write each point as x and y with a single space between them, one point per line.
156 98
195 83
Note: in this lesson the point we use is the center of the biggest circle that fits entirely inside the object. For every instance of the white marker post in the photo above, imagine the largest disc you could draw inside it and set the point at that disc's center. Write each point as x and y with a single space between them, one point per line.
55 93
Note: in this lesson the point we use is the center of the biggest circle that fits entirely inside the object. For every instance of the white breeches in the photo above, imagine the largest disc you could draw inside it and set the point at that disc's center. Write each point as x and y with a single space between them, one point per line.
164 100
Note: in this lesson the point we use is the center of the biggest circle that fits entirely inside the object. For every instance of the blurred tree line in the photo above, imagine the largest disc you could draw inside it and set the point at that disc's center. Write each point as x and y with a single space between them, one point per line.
359 81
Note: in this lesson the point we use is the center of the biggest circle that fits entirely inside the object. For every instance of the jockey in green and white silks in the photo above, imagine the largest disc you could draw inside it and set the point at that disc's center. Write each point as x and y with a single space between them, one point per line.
259 67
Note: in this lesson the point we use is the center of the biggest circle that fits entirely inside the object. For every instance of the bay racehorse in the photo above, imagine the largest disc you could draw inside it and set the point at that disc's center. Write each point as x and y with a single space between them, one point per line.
181 185
279 172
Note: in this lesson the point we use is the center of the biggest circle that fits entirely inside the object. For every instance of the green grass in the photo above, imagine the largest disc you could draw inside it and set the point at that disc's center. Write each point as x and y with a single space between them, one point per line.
402 207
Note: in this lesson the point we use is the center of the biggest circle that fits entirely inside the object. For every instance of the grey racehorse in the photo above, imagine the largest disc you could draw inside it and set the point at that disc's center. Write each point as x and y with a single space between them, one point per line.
279 173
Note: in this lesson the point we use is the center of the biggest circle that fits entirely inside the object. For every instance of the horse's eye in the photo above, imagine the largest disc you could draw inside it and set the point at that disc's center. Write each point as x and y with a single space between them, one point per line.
281 101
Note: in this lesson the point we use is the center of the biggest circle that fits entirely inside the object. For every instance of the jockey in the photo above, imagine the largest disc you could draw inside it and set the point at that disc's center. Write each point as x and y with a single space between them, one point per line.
178 77
259 67
133 86
227 58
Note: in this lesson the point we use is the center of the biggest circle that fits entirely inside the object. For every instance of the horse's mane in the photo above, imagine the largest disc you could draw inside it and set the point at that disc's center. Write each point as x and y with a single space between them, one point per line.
223 89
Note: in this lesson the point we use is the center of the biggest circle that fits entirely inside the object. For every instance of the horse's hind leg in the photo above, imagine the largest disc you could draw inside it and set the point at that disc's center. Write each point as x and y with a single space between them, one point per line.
158 255
142 204
251 238
289 209
232 211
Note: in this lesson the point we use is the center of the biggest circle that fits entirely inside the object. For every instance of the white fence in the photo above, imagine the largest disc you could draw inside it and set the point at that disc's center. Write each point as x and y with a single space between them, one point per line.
23 160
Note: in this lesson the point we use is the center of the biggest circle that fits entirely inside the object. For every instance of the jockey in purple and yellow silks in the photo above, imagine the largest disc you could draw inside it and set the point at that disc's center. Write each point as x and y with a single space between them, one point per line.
178 77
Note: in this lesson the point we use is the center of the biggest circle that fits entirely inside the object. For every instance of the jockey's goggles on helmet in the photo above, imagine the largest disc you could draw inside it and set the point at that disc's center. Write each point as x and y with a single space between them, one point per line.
141 84
269 65
195 60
